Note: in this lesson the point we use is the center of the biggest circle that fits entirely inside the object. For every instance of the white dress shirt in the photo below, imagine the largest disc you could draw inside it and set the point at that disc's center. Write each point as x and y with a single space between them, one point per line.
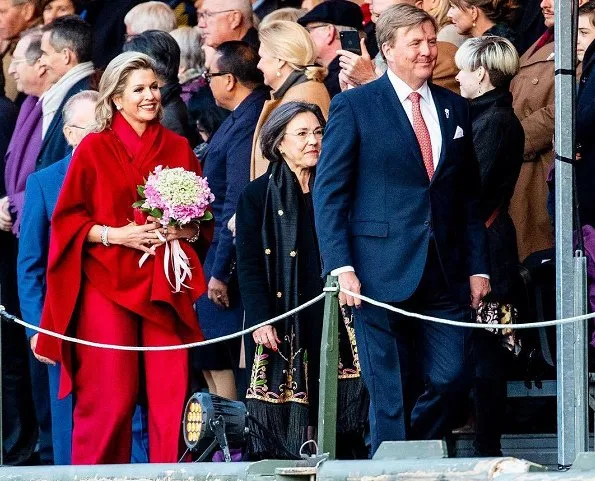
428 111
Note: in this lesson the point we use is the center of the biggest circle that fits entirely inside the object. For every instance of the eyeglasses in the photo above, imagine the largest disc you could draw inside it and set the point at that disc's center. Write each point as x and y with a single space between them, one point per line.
312 27
206 14
304 135
15 61
208 76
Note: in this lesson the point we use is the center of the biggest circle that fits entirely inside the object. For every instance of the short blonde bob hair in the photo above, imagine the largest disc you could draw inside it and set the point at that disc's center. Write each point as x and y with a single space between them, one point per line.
113 82
291 42
496 54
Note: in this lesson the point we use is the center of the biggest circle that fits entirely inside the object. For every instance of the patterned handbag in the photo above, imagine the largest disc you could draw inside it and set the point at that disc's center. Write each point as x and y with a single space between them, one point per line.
499 313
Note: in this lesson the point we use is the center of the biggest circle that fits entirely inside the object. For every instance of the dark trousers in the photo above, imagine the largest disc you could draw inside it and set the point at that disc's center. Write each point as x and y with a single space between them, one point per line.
490 364
19 429
414 370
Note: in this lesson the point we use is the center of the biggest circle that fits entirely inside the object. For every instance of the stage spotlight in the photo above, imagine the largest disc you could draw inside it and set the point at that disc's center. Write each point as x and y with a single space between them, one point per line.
211 420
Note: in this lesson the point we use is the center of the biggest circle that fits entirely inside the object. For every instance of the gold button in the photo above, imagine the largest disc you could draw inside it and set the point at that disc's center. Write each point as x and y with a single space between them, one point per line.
279 294
267 252
535 81
280 212
293 253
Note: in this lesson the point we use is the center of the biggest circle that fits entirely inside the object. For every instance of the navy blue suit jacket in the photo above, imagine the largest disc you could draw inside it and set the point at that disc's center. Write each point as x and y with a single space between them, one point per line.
41 194
227 168
375 208
54 146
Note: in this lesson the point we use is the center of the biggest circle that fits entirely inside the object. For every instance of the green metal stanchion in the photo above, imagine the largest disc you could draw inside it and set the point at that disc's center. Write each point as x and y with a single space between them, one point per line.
329 367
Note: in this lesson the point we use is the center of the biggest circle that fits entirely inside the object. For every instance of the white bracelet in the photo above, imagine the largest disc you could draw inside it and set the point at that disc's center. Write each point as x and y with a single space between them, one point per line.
103 237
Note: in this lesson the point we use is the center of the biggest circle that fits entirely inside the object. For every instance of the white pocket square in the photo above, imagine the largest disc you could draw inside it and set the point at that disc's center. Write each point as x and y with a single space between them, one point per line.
458 133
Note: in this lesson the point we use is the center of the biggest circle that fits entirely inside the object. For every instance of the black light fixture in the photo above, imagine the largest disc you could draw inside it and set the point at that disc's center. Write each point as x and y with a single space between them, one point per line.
210 420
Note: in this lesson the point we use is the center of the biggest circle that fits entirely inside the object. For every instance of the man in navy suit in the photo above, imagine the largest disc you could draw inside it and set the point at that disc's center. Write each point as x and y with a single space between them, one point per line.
395 199
66 47
41 195
238 86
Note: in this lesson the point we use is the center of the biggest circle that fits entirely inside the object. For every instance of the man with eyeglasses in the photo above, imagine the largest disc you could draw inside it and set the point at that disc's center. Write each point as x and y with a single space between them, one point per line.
16 16
226 20
41 195
324 22
20 412
237 86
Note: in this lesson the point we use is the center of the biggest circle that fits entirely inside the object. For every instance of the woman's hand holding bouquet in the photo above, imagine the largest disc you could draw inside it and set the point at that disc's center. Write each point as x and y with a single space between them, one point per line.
173 201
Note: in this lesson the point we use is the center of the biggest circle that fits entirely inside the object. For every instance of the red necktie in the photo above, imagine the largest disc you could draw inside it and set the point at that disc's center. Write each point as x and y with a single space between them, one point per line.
423 135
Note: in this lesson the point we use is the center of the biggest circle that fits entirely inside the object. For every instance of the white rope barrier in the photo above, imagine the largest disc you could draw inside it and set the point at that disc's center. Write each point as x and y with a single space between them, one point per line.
471 325
119 347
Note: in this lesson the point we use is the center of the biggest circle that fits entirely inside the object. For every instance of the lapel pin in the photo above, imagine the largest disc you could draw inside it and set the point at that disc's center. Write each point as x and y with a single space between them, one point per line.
447 113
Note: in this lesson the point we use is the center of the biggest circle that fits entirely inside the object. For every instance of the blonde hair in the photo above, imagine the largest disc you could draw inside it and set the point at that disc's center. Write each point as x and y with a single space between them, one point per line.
151 15
291 42
113 82
439 13
496 54
288 13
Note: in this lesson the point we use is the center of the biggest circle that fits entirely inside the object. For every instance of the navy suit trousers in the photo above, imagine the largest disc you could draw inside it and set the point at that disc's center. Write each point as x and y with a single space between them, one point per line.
415 370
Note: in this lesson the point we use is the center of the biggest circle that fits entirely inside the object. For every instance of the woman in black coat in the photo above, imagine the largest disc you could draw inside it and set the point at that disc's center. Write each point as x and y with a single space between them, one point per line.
279 269
487 66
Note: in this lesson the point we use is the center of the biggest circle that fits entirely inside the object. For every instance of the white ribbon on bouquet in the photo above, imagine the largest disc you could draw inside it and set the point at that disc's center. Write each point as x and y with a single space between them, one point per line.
178 259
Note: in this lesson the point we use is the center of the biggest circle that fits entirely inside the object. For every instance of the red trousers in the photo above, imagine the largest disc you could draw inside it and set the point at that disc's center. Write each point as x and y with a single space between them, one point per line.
105 384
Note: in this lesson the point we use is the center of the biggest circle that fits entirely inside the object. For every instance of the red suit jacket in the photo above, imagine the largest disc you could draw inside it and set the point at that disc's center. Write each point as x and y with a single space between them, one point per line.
100 188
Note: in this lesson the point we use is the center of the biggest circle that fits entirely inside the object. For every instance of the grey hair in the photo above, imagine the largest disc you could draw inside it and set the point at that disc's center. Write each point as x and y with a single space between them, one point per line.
151 15
400 16
189 41
113 82
67 111
244 7
287 13
273 130
33 52
496 54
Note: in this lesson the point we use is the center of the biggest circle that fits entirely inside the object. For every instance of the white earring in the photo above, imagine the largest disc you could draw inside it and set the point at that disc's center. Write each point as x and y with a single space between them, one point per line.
119 107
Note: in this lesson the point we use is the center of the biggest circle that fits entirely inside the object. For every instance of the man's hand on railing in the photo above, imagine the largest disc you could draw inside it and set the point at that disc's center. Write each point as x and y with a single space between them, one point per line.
349 281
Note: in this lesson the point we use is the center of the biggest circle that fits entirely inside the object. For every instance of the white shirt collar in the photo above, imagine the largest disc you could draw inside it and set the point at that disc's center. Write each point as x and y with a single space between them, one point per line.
403 90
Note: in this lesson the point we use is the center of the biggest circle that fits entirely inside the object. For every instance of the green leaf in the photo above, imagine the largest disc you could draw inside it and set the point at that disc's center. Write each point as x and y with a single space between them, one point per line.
141 190
156 213
208 216
138 203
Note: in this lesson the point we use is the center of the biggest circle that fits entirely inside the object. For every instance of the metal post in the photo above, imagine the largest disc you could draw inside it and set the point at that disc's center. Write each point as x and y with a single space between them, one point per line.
329 367
570 440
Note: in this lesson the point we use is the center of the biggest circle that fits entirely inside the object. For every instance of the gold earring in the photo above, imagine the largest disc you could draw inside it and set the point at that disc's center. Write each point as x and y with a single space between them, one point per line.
278 73
474 24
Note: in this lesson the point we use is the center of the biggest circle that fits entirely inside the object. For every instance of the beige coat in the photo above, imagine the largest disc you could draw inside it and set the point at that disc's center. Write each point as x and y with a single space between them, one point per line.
533 102
446 69
310 91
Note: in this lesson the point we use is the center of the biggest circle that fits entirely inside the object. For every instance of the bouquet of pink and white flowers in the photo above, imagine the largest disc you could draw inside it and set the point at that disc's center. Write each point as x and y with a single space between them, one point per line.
175 197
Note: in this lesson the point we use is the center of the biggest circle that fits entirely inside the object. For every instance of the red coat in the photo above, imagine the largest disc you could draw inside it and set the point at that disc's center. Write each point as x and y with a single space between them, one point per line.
100 188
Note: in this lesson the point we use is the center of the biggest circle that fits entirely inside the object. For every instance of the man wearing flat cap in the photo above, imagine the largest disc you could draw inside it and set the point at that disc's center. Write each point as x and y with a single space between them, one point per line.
324 22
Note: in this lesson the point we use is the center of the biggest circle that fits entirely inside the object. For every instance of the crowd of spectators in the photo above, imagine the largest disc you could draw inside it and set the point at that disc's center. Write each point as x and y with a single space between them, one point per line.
94 94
